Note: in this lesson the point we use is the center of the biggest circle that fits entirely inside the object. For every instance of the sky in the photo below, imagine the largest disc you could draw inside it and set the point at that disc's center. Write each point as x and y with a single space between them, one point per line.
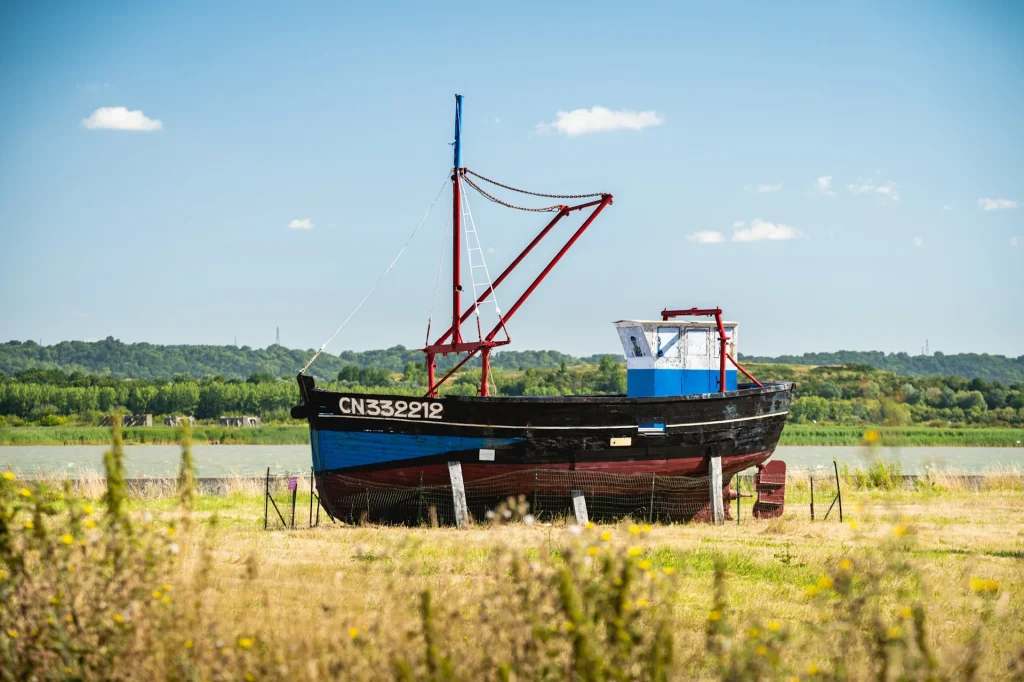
833 175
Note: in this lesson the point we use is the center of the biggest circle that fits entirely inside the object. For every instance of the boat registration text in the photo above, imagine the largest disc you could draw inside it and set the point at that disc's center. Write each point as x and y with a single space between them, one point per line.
376 407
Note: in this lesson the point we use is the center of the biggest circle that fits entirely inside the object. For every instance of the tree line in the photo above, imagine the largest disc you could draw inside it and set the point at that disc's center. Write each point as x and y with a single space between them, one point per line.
968 365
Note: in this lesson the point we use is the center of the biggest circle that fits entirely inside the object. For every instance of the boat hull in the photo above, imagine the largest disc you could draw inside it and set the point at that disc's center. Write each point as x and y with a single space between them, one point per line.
407 442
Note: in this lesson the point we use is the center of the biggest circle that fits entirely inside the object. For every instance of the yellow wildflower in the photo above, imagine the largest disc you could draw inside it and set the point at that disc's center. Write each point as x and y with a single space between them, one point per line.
249 677
906 612
54 600
616 581
812 590
644 564
225 651
592 551
69 618
88 509
899 530
646 528
753 633
715 616
25 492
67 539
13 634
824 582
165 587
353 632
188 643
166 599
894 632
606 536
651 575
71 568
634 529
568 627
9 475
641 603
50 620
846 564
852 524
813 669
634 551
29 525
89 523
3 575
245 642
774 625
984 585
157 594
170 532
669 570
118 618
872 436
761 650
590 524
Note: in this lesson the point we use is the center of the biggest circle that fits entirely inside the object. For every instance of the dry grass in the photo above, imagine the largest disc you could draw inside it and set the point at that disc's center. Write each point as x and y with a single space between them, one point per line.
919 584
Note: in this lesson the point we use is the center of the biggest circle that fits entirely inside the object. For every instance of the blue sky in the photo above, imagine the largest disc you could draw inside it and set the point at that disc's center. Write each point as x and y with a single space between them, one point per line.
340 114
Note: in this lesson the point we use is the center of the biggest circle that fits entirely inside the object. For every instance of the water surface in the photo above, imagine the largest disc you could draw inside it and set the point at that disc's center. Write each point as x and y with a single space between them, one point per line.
250 460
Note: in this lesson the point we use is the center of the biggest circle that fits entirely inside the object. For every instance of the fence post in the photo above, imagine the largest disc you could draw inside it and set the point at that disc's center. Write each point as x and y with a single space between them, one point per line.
839 492
312 472
579 507
536 513
650 512
295 493
266 500
810 477
419 503
715 490
739 496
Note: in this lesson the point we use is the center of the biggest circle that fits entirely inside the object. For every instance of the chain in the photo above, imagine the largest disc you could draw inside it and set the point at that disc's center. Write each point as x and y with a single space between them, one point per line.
545 209
536 194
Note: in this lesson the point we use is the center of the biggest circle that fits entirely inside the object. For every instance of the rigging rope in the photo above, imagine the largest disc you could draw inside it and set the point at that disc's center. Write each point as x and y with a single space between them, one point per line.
536 194
382 276
440 264
546 209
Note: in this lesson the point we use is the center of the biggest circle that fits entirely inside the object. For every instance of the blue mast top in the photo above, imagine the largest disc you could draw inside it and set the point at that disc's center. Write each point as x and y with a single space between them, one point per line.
458 131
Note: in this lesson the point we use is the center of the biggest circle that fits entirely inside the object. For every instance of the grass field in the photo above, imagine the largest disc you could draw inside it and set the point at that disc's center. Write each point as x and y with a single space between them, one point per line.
794 434
923 585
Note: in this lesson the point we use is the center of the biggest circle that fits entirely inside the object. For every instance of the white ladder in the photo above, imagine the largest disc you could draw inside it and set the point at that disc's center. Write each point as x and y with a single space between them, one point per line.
473 246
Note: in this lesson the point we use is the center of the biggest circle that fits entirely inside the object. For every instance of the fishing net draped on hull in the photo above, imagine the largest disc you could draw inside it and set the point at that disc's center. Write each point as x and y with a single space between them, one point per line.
548 492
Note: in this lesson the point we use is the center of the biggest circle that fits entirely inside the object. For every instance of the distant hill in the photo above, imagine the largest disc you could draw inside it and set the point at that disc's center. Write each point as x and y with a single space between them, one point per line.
150 361
968 365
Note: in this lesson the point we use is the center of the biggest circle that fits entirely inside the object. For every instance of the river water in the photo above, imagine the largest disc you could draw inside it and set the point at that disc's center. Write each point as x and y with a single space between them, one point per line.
250 460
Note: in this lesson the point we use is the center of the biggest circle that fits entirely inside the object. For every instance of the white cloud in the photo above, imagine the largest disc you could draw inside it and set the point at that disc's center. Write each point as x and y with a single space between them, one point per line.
300 224
918 241
1013 242
119 118
823 186
996 204
947 207
706 237
738 224
886 191
491 249
598 119
762 229
763 189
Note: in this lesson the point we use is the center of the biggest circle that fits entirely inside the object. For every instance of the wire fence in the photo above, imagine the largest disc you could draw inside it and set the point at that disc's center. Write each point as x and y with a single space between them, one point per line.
553 495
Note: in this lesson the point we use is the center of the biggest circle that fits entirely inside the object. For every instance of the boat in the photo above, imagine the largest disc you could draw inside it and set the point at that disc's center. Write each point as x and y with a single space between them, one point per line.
684 412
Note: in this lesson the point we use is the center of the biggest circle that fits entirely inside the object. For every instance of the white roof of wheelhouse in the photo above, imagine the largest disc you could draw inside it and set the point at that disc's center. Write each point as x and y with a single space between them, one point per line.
674 323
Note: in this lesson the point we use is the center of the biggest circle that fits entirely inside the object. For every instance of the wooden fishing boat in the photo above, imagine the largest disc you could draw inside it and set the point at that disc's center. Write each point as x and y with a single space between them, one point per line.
683 408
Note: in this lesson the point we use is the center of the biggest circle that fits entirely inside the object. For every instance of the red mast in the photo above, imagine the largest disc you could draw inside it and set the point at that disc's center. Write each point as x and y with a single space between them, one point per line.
486 343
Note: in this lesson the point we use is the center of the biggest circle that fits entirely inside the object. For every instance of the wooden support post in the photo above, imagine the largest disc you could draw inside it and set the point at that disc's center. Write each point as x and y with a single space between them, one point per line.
266 500
458 494
579 507
715 490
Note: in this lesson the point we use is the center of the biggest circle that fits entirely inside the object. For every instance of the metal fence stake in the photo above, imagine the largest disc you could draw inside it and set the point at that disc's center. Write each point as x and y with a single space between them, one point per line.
839 492
811 479
419 504
266 500
311 473
650 513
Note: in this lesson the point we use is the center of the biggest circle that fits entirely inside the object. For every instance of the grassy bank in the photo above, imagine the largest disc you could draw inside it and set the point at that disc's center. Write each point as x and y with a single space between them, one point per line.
902 436
794 434
920 586
153 435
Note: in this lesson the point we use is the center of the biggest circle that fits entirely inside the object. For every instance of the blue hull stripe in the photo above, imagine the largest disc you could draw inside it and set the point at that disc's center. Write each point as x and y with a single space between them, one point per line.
341 449
666 382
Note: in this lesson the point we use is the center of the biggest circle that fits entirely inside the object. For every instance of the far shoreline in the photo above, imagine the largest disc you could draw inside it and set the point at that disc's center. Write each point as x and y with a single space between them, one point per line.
813 435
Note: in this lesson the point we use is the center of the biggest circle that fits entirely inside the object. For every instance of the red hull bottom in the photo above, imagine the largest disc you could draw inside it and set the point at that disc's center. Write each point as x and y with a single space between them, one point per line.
437 474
